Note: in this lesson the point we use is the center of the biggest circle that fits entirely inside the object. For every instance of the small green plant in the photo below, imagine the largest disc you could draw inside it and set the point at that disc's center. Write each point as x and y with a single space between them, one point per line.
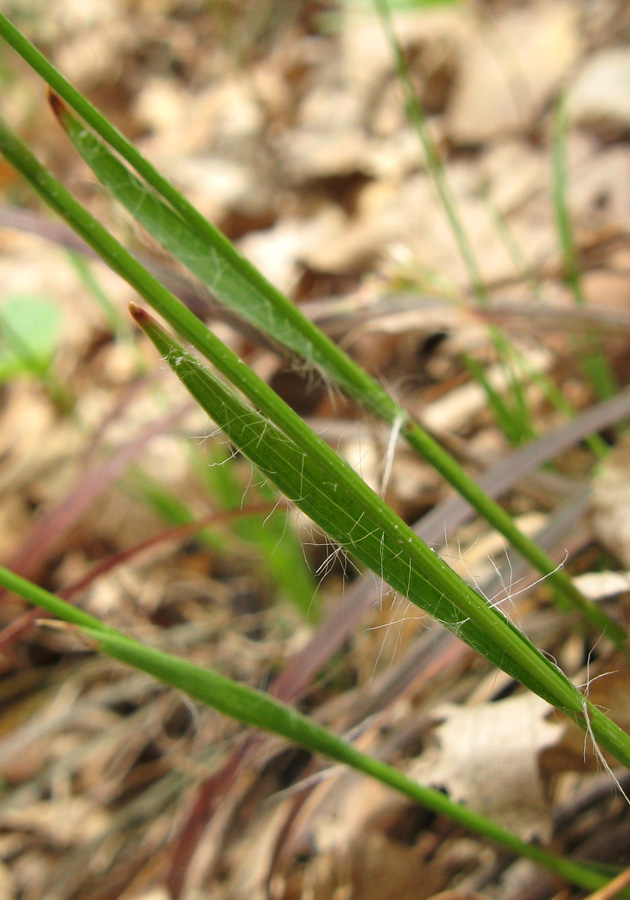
291 456
512 412
30 327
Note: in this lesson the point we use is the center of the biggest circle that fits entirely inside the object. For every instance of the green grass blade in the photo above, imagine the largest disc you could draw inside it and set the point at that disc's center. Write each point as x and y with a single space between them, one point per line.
345 508
209 255
430 576
218 264
356 381
168 505
417 118
272 539
296 431
255 708
117 323
239 284
514 423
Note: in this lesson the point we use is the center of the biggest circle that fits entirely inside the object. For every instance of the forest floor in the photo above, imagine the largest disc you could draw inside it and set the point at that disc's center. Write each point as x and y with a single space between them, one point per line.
285 123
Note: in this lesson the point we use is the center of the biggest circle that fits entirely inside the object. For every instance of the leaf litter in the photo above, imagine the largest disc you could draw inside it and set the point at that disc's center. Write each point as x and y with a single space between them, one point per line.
291 135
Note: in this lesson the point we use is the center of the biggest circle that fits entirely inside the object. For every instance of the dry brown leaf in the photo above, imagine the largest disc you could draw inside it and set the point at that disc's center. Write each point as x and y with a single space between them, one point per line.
597 585
487 758
278 251
510 69
599 184
600 96
354 832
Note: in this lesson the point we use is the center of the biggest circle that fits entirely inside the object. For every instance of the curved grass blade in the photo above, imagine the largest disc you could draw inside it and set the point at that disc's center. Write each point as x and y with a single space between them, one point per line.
213 259
386 545
255 708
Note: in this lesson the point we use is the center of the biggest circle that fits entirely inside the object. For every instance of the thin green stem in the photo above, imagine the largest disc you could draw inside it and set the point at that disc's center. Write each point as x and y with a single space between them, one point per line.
255 708
555 396
417 117
118 325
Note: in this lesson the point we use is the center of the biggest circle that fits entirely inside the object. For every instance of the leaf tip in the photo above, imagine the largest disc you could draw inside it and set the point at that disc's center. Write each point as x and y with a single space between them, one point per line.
56 104
139 314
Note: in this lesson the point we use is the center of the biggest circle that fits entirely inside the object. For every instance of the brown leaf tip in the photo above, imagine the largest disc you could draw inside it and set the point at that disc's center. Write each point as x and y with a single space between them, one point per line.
139 314
56 103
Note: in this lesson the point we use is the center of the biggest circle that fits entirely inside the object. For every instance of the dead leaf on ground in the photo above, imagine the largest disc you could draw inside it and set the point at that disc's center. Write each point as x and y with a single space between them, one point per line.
487 758
510 69
600 96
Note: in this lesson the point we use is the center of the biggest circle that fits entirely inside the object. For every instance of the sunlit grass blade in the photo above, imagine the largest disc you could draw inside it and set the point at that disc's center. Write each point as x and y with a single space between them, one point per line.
255 708
346 509
241 286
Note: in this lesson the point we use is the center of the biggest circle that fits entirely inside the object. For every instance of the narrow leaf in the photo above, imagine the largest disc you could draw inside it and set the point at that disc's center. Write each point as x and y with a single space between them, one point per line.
385 544
253 707
443 579
356 381
211 256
